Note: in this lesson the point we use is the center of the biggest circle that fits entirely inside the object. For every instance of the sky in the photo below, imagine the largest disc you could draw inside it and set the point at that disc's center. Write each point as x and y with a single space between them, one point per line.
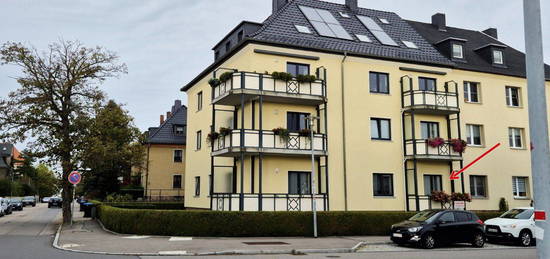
166 43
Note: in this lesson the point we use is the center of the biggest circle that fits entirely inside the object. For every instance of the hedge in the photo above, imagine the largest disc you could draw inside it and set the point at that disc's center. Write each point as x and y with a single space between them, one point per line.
149 205
250 224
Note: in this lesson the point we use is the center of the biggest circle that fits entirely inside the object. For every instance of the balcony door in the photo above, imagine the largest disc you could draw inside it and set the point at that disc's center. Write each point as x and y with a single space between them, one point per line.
299 182
429 129
296 121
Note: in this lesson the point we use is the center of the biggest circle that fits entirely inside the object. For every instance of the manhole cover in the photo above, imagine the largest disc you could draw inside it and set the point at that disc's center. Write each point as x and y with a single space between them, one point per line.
269 243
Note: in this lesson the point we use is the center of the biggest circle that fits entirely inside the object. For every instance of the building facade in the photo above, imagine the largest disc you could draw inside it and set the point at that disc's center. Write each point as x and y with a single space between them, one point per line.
397 106
164 174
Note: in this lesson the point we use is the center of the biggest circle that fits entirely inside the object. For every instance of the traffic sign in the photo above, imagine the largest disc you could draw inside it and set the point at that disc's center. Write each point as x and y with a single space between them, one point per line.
75 177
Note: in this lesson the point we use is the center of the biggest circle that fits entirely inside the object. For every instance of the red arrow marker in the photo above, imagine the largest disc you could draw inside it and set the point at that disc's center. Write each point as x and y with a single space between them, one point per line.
455 174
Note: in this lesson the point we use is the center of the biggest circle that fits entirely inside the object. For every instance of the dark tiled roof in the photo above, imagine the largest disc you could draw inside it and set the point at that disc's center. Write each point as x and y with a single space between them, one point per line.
164 134
6 151
279 28
514 59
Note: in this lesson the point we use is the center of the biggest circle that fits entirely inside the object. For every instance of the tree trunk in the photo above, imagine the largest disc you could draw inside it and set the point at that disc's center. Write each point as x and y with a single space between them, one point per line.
67 193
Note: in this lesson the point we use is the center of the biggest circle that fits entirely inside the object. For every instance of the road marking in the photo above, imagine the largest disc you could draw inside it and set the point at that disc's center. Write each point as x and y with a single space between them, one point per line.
172 239
172 252
136 237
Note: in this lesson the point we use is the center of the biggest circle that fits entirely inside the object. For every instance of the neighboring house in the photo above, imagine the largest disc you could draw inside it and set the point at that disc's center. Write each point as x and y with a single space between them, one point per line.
10 159
165 156
387 90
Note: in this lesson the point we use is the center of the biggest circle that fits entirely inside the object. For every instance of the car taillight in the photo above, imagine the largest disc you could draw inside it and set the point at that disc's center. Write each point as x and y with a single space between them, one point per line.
479 221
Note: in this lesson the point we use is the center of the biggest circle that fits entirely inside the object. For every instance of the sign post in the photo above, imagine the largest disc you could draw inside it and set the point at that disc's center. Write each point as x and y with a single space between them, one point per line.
74 178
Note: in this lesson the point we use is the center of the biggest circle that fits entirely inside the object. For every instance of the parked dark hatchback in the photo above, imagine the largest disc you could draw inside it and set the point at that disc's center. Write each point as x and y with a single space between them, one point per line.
16 204
430 228
55 202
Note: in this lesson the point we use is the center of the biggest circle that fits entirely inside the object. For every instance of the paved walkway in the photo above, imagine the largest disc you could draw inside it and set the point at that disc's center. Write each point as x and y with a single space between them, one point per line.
88 235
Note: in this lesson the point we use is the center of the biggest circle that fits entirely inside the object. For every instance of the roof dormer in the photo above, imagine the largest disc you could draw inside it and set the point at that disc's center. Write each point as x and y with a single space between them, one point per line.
453 48
493 53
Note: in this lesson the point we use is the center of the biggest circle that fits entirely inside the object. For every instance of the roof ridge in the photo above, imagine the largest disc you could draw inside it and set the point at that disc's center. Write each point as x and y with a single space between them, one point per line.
271 18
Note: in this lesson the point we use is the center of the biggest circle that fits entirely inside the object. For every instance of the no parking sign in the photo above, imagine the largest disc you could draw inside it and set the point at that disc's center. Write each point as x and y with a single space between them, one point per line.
75 177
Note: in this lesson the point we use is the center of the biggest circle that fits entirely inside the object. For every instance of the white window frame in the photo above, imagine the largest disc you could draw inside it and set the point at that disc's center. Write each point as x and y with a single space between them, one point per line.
515 179
509 97
470 135
302 29
383 20
500 60
363 38
512 133
468 92
473 178
410 44
461 56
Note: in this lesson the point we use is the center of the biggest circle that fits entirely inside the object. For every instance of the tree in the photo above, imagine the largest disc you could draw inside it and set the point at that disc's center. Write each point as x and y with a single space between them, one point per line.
110 151
46 183
58 89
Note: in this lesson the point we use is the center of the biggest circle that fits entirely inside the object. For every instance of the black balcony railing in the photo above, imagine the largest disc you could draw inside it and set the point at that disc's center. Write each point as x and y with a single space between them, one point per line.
444 98
421 148
269 202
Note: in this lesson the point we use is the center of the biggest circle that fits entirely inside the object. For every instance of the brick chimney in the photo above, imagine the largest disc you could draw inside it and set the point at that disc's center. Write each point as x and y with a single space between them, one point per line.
168 115
161 119
352 4
278 4
439 21
493 32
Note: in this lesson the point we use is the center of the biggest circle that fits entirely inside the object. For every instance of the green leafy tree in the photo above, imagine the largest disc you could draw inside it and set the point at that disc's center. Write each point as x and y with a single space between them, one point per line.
58 88
110 151
46 183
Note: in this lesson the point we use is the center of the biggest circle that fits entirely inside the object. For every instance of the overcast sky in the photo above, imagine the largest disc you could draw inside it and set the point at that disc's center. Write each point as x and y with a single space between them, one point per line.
165 43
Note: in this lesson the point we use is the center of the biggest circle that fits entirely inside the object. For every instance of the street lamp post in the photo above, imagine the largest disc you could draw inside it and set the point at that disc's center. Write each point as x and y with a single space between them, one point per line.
311 120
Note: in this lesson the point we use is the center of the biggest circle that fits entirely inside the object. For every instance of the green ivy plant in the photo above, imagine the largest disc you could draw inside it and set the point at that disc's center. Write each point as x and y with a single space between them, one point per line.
226 76
282 76
225 131
306 78
213 82
282 132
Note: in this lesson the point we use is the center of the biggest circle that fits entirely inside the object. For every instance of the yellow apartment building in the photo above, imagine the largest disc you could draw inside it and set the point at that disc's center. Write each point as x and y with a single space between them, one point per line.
397 106
165 156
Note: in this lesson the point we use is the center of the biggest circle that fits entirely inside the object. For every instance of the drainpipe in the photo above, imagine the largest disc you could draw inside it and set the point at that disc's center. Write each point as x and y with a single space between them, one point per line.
344 131
147 170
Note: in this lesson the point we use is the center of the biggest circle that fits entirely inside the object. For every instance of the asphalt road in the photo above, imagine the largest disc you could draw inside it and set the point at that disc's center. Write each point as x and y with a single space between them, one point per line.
29 234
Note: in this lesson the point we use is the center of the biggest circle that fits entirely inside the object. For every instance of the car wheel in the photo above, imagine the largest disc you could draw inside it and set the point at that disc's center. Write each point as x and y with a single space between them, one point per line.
428 241
525 238
478 240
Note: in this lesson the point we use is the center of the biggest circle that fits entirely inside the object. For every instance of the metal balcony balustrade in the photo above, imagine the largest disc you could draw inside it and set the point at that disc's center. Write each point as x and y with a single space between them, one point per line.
440 100
251 84
421 150
269 202
266 141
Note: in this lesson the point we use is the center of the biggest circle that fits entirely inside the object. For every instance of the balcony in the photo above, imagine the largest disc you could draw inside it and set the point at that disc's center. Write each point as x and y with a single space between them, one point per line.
265 141
269 202
431 101
424 151
251 85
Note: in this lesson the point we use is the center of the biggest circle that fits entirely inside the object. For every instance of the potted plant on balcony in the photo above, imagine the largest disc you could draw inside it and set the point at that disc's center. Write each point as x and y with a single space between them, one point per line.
284 76
435 142
225 131
458 145
226 76
441 197
212 136
304 133
283 133
213 82
306 78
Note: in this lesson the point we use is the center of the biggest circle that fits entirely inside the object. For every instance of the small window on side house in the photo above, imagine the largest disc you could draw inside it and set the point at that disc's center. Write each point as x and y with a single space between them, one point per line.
379 83
512 96
458 51
176 181
380 129
197 186
519 186
199 101
498 57
383 184
178 156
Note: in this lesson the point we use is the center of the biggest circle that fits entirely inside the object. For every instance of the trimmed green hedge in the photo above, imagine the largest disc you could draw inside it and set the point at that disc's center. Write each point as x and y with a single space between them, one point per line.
149 205
256 224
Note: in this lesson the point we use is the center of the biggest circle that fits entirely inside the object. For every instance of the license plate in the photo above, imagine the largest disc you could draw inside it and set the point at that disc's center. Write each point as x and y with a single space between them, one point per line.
397 235
492 230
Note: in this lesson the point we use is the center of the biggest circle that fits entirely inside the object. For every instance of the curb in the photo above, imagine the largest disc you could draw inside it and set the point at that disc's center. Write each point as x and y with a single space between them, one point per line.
354 249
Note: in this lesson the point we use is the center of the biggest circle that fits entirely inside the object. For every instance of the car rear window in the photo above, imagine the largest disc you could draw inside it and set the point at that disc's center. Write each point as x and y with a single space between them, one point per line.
463 216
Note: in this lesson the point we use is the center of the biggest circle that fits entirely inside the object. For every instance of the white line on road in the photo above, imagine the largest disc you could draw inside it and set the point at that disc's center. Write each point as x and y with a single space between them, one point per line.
136 237
172 252
173 239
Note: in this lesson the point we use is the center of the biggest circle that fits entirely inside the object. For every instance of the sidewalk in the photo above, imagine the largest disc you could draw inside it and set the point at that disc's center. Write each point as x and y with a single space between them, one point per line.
87 235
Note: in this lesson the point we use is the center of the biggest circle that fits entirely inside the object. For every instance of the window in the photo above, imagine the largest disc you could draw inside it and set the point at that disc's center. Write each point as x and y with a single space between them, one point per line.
176 181
345 15
299 182
297 69
429 129
379 83
384 20
447 217
478 185
380 129
383 184
199 101
178 156
179 130
240 36
462 216
410 44
324 23
471 92
197 186
432 183
515 136
498 57
519 186
457 51
473 135
512 96
363 38
198 139
376 30
426 84
302 29
296 121
227 46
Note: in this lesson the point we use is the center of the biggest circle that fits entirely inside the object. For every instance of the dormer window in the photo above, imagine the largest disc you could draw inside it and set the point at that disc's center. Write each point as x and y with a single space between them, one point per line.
227 46
179 130
240 36
498 57
458 52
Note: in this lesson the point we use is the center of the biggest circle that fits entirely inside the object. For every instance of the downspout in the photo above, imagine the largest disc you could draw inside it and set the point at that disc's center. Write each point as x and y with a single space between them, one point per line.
344 131
147 169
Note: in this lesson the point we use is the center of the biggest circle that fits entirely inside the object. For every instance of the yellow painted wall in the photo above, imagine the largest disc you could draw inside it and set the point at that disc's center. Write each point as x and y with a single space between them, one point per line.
365 156
161 168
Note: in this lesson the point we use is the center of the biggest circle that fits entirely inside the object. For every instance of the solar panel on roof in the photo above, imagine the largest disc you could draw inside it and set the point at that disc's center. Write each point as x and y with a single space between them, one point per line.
377 31
324 23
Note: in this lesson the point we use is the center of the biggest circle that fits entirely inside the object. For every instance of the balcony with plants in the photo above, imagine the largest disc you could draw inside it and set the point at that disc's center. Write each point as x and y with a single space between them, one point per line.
281 87
435 149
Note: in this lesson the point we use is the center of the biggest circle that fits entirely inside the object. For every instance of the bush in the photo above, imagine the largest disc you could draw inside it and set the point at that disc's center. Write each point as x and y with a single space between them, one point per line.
213 82
282 76
149 205
306 78
502 205
226 76
118 197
